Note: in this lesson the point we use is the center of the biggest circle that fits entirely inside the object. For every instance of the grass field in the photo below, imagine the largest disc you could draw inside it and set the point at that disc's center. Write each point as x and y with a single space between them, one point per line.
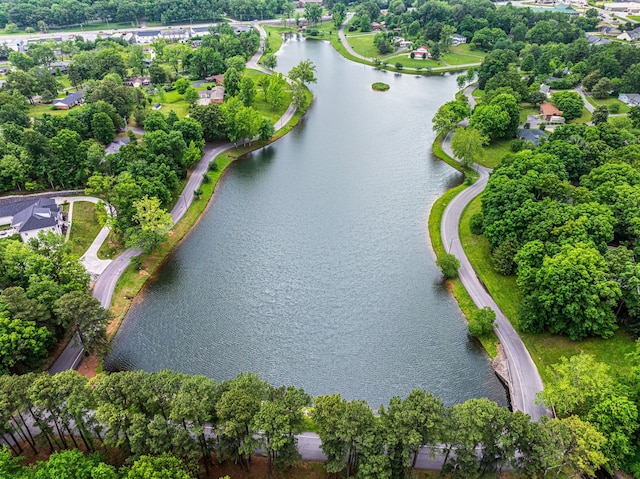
584 118
363 44
84 227
37 111
623 107
465 49
460 59
491 155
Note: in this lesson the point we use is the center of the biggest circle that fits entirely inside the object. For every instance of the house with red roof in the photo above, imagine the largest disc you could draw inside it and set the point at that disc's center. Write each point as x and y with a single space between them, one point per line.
420 53
548 110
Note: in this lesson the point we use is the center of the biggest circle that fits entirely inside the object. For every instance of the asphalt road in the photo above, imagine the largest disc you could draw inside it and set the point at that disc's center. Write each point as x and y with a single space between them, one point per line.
524 379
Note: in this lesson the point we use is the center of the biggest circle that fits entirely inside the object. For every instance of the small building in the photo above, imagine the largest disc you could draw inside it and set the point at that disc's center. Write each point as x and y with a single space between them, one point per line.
548 110
629 7
610 30
69 101
630 35
175 34
534 136
631 99
215 95
241 29
405 44
217 79
115 145
595 40
546 89
420 53
30 217
146 37
376 27
58 68
199 31
157 106
457 39
137 81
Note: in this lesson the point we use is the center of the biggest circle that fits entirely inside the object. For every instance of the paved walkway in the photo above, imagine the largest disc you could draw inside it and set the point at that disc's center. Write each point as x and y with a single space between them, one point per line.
106 282
524 379
94 265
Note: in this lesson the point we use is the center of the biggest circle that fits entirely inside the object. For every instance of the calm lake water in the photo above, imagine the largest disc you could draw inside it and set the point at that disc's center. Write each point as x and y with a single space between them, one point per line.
312 265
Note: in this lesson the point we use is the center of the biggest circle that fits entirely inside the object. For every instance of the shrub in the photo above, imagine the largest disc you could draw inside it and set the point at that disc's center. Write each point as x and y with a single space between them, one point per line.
475 223
136 262
614 108
449 265
197 193
482 322
516 145
314 32
206 178
503 257
213 166
399 66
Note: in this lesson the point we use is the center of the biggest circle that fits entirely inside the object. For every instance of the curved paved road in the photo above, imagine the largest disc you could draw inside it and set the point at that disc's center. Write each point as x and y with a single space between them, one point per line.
524 379
105 285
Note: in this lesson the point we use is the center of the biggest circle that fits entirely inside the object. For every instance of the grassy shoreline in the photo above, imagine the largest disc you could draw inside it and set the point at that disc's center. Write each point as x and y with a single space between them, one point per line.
133 280
466 304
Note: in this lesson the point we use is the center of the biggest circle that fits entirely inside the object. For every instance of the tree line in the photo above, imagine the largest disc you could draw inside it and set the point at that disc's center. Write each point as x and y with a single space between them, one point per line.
202 423
42 14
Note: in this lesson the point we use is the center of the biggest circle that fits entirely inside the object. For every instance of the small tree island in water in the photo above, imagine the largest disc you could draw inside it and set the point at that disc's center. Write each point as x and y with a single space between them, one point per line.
379 86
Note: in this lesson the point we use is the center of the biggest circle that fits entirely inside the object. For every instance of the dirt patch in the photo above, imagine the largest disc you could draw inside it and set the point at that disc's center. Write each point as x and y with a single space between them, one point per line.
89 366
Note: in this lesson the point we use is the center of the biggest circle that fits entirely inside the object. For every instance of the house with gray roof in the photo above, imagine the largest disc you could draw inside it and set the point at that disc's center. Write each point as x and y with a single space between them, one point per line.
534 136
595 40
631 99
30 217
69 101
630 35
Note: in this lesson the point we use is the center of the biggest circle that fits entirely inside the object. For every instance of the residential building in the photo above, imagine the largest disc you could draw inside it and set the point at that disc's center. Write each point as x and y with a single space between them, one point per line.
549 110
534 136
71 100
595 40
30 217
146 36
630 35
631 99
457 39
420 53
215 95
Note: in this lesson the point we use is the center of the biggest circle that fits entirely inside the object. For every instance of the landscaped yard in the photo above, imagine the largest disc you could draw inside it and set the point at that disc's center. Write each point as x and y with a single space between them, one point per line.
460 59
84 227
403 57
584 118
465 49
37 111
172 101
623 107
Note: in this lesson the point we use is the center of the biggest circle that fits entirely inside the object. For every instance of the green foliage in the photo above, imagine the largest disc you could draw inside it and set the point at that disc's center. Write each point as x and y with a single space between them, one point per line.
475 223
569 102
482 322
467 144
449 265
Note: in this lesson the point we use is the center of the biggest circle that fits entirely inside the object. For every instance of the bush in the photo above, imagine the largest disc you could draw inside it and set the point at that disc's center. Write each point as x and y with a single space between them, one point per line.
206 178
197 193
475 223
449 265
614 108
136 262
314 32
516 145
213 166
526 126
503 257
482 322
399 66
139 116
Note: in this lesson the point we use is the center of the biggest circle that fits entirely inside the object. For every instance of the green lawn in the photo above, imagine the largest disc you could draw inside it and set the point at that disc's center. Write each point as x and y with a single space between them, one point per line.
362 43
623 107
525 111
465 49
407 62
84 227
37 111
584 118
478 93
172 101
460 59
492 155
274 36
545 349
634 17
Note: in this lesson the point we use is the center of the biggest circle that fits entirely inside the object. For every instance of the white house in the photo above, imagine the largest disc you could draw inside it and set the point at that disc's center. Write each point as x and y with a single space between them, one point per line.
630 36
457 39
30 217
71 100
631 99
146 36
420 53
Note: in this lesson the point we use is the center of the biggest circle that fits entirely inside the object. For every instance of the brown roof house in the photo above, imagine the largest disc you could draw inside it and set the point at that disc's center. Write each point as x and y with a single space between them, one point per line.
548 110
215 95
420 53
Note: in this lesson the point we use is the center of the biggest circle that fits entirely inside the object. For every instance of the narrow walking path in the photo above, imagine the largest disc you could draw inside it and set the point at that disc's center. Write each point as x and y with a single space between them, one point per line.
524 379
106 283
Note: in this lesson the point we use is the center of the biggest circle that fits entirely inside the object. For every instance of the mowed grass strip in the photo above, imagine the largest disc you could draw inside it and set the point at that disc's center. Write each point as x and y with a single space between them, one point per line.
84 227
